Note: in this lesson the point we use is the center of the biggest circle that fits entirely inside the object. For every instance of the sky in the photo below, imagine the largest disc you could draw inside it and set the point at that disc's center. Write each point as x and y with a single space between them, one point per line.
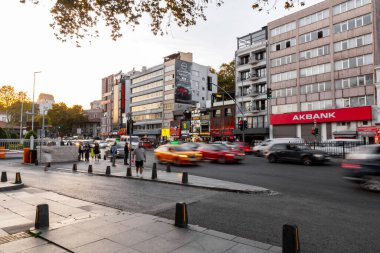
73 75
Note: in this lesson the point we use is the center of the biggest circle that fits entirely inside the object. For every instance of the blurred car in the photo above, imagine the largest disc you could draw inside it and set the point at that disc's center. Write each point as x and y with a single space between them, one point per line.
263 147
147 144
296 153
120 149
220 153
193 145
177 154
363 167
103 144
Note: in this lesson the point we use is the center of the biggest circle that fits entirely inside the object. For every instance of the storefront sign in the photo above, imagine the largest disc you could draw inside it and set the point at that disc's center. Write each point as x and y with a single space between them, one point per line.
165 132
367 129
333 115
183 82
185 128
175 129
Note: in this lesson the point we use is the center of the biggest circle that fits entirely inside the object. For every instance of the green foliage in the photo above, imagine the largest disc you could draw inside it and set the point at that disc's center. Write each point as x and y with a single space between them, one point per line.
226 76
14 146
3 134
29 134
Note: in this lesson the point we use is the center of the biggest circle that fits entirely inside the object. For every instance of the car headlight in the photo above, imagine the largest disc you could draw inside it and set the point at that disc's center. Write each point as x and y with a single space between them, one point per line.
183 156
231 155
318 155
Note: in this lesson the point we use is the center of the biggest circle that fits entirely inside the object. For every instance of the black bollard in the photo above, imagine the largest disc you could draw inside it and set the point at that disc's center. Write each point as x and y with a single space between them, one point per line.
181 218
108 170
154 171
36 162
104 157
290 240
48 165
42 216
78 158
90 168
113 162
18 178
185 178
168 169
129 172
4 177
75 167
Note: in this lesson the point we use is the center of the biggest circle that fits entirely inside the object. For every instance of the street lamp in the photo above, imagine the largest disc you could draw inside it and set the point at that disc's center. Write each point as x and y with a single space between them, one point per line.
34 85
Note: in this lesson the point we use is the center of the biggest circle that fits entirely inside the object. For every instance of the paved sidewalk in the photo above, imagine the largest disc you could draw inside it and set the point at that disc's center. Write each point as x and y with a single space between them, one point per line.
81 226
99 168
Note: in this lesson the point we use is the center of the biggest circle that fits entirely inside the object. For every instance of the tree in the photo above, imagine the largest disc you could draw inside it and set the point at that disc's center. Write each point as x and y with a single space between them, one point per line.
226 76
63 118
77 19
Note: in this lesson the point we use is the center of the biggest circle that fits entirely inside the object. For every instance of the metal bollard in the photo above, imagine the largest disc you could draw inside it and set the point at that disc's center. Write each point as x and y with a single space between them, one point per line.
42 216
168 169
113 162
4 177
129 172
154 171
104 157
75 167
290 240
18 178
181 218
108 170
90 168
185 178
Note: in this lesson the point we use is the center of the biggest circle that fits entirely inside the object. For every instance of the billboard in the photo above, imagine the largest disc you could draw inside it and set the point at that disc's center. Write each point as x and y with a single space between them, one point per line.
182 93
185 128
175 130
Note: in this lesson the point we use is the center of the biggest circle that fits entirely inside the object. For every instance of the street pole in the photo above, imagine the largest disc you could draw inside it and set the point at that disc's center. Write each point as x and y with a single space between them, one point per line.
34 85
129 121
22 109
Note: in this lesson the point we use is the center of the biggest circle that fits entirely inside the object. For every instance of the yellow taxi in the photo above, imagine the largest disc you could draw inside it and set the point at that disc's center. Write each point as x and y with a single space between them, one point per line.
177 154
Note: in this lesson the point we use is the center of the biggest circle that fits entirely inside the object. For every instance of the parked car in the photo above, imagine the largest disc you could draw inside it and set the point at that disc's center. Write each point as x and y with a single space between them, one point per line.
296 153
177 154
262 148
363 167
220 153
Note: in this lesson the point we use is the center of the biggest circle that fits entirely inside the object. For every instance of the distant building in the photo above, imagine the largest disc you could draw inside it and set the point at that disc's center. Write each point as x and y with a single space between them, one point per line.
91 128
45 102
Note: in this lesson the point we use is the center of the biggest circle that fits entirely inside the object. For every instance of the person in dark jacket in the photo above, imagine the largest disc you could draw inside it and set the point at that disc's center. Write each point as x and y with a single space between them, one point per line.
97 152
126 153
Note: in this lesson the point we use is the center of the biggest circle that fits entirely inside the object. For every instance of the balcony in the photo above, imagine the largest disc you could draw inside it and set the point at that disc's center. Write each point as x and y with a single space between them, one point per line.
253 76
253 60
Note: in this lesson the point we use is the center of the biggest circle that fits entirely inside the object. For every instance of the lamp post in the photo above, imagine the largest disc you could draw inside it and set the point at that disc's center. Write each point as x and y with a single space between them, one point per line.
34 85
22 109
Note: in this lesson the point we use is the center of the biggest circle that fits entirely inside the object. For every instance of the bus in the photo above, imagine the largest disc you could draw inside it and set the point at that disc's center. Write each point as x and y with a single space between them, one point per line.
134 140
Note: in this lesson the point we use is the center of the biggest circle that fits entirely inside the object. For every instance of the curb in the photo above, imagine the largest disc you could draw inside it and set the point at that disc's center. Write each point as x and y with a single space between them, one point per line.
11 187
173 183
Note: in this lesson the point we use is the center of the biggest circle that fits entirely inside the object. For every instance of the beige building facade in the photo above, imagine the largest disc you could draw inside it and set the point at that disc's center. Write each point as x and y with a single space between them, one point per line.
322 71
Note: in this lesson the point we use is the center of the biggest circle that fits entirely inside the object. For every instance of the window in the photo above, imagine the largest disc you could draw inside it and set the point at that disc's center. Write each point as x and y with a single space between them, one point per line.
146 107
278 109
195 73
315 87
147 86
314 18
353 43
283 44
314 35
354 82
216 113
284 76
283 29
147 96
244 75
169 96
287 92
349 5
169 77
243 59
354 62
353 23
316 105
315 70
315 52
169 68
288 59
148 76
227 111
355 101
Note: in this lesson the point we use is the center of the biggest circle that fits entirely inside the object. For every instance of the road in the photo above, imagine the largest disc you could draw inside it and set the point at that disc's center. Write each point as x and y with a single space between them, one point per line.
332 215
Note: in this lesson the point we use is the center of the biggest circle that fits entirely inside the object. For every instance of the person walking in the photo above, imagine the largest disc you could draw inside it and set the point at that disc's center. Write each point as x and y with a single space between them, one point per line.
97 152
87 153
139 156
80 152
126 153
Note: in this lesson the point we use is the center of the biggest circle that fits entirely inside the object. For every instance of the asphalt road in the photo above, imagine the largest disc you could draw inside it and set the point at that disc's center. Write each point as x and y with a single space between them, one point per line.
332 215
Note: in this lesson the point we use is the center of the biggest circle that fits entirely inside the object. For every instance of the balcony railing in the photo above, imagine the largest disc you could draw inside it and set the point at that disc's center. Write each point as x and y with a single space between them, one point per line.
253 60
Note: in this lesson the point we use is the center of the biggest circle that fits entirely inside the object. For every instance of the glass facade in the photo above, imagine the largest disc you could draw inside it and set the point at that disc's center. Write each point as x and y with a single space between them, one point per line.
353 43
349 5
147 87
148 76
147 96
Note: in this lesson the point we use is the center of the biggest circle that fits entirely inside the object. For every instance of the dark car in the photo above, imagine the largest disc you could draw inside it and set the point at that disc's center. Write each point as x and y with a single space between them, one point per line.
296 153
220 153
362 166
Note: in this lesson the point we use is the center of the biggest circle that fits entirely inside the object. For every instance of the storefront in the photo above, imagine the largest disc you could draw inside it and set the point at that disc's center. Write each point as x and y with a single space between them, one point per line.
332 124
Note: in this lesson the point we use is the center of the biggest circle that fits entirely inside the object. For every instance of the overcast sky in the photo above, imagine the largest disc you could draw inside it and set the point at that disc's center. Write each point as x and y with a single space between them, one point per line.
73 75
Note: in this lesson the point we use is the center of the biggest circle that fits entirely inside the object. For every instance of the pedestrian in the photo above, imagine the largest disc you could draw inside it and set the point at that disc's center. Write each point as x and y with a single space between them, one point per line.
92 153
87 153
113 149
47 156
126 153
139 156
97 151
80 151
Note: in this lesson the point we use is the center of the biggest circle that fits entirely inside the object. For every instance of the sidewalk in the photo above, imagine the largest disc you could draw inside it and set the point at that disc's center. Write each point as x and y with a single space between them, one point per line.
81 226
99 168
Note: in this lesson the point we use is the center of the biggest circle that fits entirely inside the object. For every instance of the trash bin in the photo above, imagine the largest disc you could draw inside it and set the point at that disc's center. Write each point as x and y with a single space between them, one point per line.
26 155
33 156
2 152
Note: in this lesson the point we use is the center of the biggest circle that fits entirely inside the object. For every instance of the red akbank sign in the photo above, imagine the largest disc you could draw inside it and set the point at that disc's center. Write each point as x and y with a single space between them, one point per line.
333 115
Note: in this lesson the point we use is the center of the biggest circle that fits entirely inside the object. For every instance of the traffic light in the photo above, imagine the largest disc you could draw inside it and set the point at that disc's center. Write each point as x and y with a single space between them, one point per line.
245 124
130 127
313 131
316 131
269 93
241 125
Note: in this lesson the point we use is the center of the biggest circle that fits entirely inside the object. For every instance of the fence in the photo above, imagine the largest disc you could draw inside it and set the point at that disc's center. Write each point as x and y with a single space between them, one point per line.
338 148
20 144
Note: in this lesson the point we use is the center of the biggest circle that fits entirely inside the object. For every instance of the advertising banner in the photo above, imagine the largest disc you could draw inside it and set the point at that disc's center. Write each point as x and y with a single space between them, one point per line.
319 116
175 129
183 82
185 128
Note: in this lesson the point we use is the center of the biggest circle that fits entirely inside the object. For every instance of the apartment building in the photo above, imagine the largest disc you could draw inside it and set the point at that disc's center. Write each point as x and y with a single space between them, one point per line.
45 102
322 71
251 84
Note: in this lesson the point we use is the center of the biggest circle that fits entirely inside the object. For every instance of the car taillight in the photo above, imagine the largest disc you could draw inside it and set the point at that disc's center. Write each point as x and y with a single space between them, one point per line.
350 166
